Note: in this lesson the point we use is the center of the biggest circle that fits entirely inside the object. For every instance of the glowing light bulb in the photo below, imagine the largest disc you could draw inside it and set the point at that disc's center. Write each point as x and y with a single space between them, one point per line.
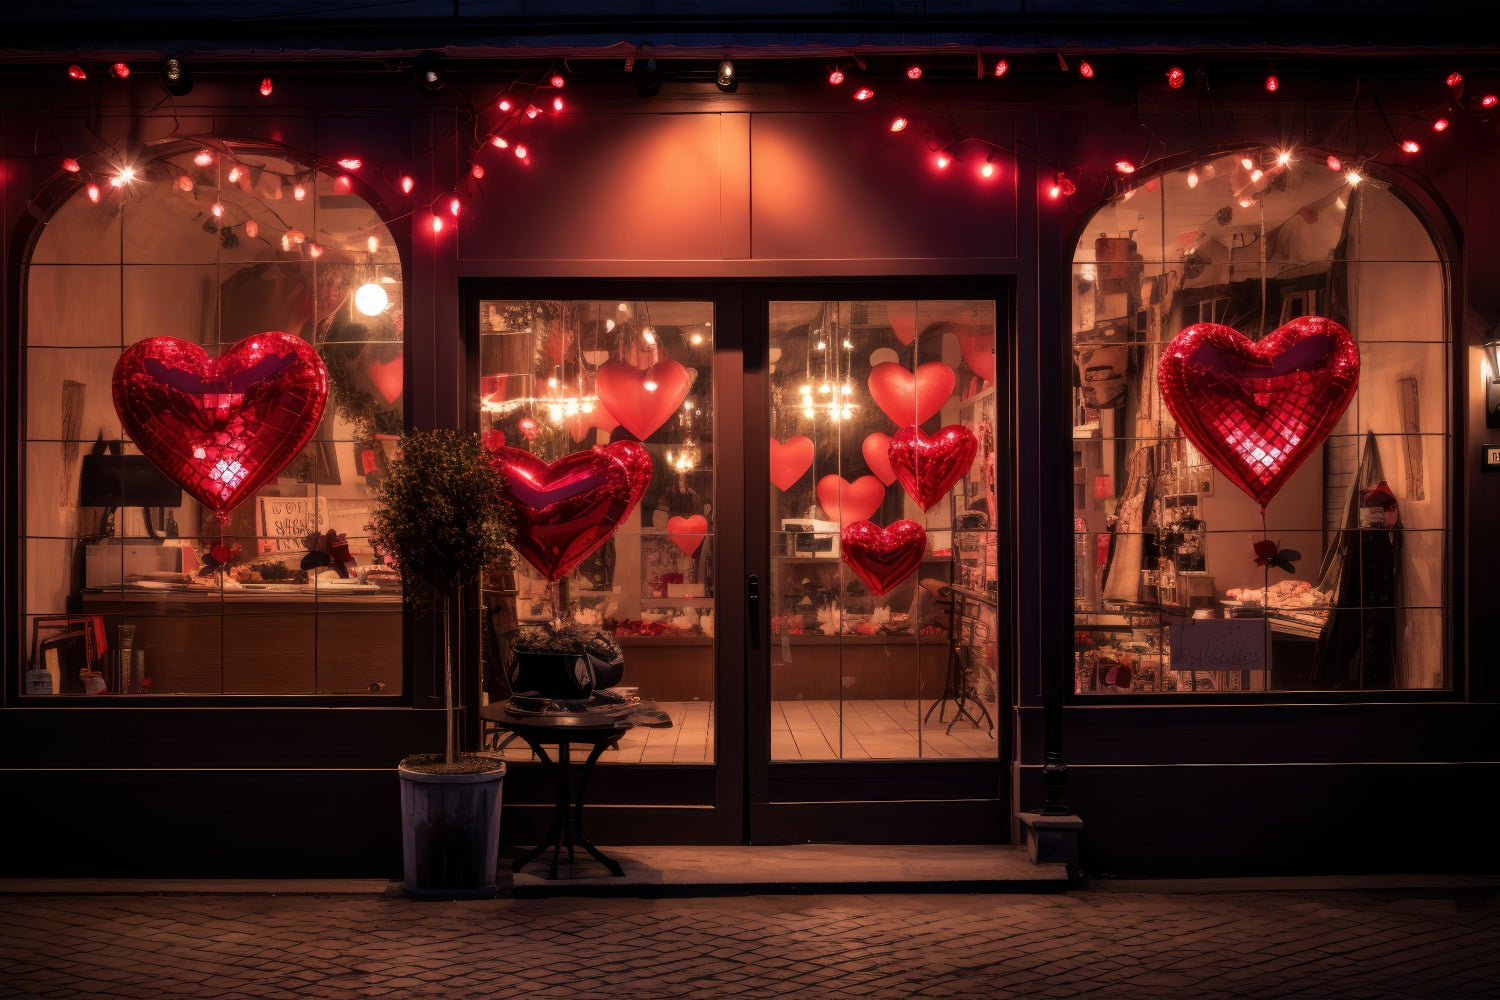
1454 79
532 111
120 70
372 244
1086 70
70 165
649 335
1284 158
504 104
235 173
1246 202
1246 162
557 104
299 192
1001 67
125 176
76 73
1256 175
914 72
314 251
407 184
93 190
557 81
1124 166
343 184
987 170
1272 84
650 385
437 223
1410 146
371 299
807 411
1489 101
351 163
477 171
1176 77
499 142
217 209
898 124
555 412
1055 191
835 78
204 157
1354 177
863 94
1334 163
1192 178
265 86
695 339
286 243
1441 125
252 229
520 151
943 160
822 344
805 389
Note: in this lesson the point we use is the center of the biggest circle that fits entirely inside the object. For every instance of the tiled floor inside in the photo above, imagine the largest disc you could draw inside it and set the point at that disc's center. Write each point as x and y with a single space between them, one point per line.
812 730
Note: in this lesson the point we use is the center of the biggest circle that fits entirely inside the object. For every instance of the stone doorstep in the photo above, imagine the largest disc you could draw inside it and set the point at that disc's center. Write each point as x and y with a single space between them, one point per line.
1052 839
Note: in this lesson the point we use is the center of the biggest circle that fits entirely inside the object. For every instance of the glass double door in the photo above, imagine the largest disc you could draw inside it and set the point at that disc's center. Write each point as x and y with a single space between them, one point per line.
809 586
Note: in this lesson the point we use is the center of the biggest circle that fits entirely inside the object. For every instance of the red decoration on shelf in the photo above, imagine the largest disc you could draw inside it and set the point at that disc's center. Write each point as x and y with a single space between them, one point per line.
846 502
911 397
687 533
882 557
1258 409
221 428
929 465
566 510
642 411
877 452
790 460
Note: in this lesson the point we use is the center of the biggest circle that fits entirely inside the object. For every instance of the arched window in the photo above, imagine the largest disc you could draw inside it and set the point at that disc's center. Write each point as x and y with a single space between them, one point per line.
1199 566
130 585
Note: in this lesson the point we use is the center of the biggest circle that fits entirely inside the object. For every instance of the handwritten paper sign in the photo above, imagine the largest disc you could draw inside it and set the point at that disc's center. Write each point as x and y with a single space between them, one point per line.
283 522
1220 644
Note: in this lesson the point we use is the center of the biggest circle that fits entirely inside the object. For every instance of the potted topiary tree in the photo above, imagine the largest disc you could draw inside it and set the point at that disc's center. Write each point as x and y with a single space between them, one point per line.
441 519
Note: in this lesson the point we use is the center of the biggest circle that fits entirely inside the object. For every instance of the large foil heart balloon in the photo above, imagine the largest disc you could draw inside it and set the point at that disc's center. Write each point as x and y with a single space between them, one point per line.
929 465
790 460
846 502
643 399
1257 409
911 397
687 533
882 557
566 510
221 428
876 448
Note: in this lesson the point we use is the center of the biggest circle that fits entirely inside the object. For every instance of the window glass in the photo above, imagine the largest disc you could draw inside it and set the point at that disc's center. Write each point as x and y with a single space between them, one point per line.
132 587
1193 570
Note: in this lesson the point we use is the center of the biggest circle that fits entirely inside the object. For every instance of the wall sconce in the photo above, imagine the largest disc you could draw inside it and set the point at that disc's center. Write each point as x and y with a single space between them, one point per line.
1492 381
726 80
175 78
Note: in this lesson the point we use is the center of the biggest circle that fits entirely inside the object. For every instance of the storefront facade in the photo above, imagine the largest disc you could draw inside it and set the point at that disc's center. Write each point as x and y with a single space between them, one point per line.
941 305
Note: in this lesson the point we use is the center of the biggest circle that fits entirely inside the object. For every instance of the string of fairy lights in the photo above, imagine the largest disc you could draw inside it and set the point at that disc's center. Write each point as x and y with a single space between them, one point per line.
508 126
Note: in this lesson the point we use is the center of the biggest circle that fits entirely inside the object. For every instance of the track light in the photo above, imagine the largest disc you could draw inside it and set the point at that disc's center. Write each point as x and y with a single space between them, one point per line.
726 79
175 77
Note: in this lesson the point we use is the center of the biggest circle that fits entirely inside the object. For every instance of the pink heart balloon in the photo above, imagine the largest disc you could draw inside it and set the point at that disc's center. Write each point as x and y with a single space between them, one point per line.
388 377
622 390
877 451
566 510
846 502
790 460
928 466
221 428
911 397
882 557
687 533
1257 409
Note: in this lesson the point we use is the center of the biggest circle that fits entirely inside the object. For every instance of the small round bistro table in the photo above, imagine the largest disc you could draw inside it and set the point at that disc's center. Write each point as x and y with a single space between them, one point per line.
595 730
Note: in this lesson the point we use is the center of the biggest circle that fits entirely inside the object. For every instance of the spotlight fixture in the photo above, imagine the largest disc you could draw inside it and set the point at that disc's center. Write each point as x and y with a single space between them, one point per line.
429 77
726 79
175 77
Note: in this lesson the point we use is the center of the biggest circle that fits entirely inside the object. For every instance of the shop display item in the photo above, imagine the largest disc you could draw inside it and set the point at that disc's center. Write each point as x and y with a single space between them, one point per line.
929 464
883 557
687 533
1258 409
642 400
790 460
847 502
566 510
876 449
221 428
911 397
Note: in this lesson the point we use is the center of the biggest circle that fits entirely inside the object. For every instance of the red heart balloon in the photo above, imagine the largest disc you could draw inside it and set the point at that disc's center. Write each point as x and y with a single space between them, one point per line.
882 557
622 390
911 397
928 466
1258 409
846 502
977 346
222 428
687 533
580 425
388 377
790 460
877 451
566 510
903 320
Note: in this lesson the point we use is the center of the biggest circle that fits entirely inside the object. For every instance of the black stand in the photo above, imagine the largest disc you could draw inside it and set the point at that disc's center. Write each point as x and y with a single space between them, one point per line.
959 687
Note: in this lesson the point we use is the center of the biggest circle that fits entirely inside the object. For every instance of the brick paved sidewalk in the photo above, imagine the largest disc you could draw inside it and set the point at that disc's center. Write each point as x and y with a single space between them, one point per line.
1087 943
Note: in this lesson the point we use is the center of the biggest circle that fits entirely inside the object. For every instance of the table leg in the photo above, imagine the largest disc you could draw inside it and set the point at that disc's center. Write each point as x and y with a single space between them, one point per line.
554 833
578 834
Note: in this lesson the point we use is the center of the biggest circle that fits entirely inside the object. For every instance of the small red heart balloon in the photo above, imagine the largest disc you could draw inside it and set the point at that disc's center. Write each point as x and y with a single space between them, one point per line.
882 557
687 533
221 428
928 466
977 346
1257 409
388 377
876 449
903 320
846 502
566 510
624 393
790 460
911 397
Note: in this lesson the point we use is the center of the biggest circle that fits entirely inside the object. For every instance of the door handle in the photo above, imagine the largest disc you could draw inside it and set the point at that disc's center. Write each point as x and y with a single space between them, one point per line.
752 597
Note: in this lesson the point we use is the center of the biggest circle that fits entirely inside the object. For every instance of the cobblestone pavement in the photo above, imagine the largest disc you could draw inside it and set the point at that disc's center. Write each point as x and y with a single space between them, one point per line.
1083 943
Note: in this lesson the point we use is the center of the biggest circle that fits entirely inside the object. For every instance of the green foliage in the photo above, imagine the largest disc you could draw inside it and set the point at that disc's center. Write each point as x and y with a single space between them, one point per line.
440 515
